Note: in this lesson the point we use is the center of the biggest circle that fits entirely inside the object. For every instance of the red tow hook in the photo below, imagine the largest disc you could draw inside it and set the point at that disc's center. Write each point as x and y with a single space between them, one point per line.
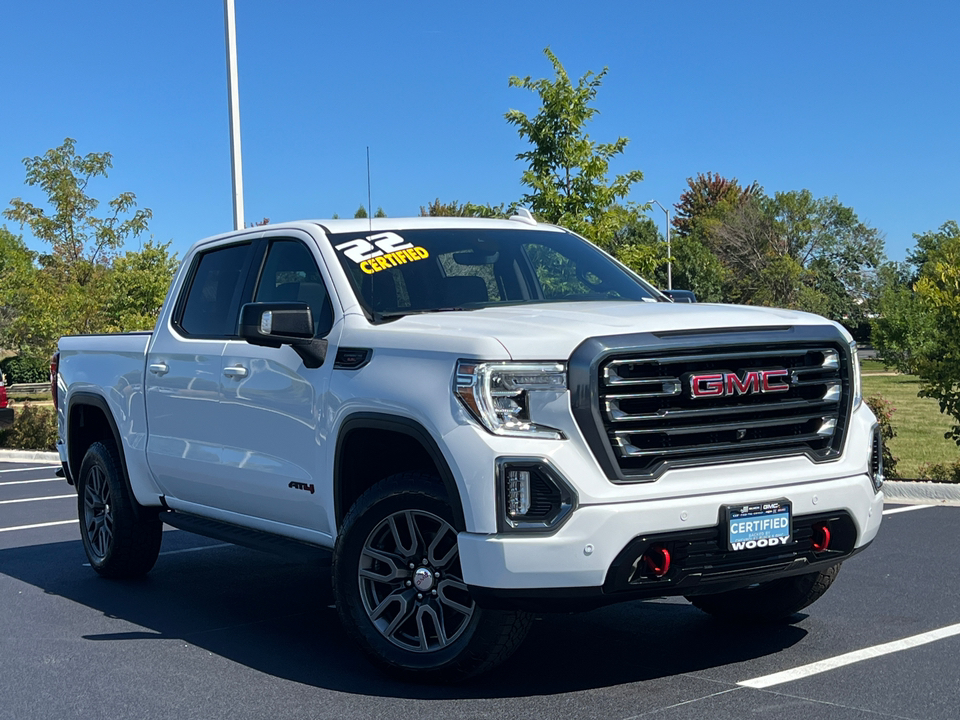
657 560
821 537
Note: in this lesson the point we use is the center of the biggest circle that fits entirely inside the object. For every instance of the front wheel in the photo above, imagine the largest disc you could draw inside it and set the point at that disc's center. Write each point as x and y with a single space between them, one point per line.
773 601
400 591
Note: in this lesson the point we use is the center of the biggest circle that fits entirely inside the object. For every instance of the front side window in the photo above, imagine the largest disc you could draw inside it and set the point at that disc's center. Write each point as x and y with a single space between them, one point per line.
290 274
209 310
411 271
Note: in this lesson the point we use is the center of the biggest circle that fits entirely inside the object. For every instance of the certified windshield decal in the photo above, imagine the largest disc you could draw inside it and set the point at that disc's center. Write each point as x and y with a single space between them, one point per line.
382 251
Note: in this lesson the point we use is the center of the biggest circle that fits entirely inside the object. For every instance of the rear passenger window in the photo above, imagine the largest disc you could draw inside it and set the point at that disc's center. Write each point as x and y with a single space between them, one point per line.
210 309
290 274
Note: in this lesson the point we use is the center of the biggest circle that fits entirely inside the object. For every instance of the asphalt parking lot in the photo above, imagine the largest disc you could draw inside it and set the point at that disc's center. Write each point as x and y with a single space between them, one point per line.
218 631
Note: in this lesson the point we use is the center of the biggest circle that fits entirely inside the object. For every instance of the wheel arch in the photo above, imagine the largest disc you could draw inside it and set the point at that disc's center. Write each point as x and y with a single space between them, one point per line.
90 420
404 444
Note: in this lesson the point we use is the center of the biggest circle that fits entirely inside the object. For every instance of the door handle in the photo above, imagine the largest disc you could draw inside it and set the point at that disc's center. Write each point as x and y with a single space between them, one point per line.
235 371
159 368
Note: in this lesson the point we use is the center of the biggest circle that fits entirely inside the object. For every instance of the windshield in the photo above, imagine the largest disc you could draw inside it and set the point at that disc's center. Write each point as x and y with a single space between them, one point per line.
413 271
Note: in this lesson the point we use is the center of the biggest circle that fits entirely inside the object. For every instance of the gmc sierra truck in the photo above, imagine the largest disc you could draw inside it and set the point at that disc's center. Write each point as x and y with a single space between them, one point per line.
476 420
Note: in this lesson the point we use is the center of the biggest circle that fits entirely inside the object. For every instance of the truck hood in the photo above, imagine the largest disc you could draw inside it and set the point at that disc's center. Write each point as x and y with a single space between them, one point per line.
551 331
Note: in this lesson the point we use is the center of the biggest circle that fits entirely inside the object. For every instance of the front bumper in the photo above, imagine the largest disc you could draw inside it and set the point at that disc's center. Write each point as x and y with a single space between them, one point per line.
582 558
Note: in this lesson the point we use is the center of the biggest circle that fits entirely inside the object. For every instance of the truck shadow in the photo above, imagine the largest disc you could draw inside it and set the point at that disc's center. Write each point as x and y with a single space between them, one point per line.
275 617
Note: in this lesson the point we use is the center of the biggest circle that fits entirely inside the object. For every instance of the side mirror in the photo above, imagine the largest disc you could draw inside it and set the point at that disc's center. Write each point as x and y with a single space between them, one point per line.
680 296
273 324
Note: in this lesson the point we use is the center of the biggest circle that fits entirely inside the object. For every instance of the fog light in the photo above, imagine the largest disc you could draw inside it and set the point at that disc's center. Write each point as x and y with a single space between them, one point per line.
532 496
518 493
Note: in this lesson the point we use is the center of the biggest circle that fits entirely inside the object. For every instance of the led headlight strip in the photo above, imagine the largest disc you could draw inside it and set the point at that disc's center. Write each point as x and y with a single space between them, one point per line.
498 394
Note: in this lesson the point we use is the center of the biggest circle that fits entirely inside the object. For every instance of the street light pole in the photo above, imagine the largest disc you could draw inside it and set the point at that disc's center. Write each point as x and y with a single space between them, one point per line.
669 264
233 101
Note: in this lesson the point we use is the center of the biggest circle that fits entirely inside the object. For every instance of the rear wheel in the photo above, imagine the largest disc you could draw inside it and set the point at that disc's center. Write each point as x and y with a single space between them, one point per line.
121 539
400 590
773 601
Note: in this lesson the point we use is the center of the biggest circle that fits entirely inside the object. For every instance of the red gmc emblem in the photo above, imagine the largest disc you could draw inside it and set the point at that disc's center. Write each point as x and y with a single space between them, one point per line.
724 384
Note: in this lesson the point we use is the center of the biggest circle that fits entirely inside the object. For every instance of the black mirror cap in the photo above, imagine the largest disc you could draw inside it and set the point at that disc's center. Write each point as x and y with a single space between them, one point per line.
680 296
289 323
285 323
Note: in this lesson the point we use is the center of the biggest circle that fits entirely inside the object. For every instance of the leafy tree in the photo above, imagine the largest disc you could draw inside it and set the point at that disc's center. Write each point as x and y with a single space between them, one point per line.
901 330
697 268
17 287
79 240
379 213
938 292
137 286
566 170
708 200
361 212
840 253
83 285
641 247
456 209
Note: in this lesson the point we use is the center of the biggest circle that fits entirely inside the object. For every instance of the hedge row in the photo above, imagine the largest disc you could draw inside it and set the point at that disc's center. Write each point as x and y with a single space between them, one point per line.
20 369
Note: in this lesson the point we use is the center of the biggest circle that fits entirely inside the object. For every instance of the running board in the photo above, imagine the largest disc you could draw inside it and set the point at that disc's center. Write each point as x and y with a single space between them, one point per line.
254 539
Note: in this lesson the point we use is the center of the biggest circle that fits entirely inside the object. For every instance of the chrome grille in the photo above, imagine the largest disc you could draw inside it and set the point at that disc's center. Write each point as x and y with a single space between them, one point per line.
651 413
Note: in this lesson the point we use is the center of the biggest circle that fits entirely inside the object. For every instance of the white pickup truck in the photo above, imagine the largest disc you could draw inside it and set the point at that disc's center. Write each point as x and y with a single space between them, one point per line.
476 420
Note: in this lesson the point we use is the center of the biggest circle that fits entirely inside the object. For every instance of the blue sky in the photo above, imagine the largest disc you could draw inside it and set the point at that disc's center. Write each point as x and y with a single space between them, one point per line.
854 99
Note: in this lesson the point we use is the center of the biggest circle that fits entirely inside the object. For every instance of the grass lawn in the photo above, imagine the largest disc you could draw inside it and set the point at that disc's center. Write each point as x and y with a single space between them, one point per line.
44 397
874 366
918 421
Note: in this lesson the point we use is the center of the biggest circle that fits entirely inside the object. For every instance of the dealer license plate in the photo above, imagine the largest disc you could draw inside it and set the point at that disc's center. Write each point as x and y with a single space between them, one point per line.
761 525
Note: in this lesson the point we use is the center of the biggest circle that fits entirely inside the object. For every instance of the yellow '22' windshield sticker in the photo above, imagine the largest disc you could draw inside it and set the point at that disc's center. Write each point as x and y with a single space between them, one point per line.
381 251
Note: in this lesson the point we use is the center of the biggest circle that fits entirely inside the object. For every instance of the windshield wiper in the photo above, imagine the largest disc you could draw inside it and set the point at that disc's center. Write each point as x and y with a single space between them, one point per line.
379 317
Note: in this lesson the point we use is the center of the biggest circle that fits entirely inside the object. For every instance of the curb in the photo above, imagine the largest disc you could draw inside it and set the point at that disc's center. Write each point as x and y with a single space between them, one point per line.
29 456
921 493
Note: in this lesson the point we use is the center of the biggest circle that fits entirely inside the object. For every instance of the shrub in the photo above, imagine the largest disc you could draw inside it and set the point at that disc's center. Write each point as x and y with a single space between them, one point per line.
34 428
940 472
21 369
884 411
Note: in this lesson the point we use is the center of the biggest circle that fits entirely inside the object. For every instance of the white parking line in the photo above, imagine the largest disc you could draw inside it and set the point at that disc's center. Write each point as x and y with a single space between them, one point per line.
27 482
906 508
39 525
52 497
39 467
852 657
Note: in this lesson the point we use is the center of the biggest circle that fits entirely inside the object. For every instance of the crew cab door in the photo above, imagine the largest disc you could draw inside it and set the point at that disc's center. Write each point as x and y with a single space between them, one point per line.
185 430
273 457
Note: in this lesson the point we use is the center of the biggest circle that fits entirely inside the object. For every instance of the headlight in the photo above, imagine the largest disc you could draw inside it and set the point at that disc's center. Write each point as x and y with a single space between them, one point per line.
855 371
501 394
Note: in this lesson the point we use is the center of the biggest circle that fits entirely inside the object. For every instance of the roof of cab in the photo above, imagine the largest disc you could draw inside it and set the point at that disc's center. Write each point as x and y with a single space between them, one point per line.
352 225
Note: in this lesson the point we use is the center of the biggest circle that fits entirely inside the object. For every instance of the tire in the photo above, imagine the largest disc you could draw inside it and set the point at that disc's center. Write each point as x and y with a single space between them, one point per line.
121 539
769 602
431 631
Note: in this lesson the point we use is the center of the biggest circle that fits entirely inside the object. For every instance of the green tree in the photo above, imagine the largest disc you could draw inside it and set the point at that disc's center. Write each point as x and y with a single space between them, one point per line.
137 286
641 247
840 253
566 170
361 212
83 285
705 205
456 209
938 291
79 240
901 330
18 283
